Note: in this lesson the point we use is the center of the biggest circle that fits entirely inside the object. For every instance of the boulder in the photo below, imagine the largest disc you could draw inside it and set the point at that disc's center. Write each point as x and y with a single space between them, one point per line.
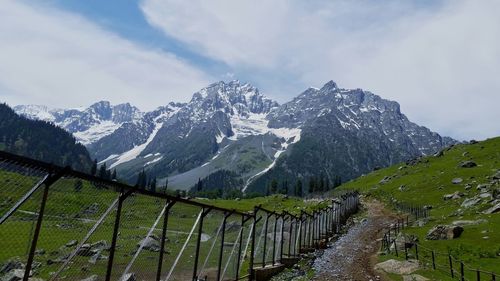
444 232
468 164
398 267
457 180
386 179
468 222
438 154
71 243
92 209
150 243
99 245
496 193
404 241
496 176
91 278
482 186
11 265
14 275
86 251
469 202
473 141
485 195
98 256
129 277
453 196
494 209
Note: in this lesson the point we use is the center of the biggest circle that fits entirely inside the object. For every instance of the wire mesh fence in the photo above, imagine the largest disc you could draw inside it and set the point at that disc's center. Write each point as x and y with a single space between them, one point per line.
59 224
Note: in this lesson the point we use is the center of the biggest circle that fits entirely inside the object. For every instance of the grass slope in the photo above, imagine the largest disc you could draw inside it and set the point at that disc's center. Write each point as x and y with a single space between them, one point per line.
72 209
428 180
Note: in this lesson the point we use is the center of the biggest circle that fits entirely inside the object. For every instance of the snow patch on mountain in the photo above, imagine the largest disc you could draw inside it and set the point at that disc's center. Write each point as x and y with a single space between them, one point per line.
137 150
36 112
96 132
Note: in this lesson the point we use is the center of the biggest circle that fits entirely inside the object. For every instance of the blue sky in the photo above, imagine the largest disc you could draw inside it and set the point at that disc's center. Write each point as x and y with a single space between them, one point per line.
438 59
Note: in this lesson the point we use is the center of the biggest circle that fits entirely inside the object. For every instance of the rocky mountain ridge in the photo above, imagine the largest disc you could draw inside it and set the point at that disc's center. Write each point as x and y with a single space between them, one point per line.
232 126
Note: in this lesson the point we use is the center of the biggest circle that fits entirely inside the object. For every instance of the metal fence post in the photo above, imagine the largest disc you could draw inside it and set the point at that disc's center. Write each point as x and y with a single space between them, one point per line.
221 253
313 228
283 219
238 262
451 266
433 260
462 273
290 232
198 241
116 226
47 183
300 233
276 217
169 204
416 250
265 241
252 246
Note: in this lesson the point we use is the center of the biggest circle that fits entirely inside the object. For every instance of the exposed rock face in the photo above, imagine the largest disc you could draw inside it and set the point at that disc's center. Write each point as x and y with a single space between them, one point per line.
89 124
356 130
444 232
469 202
494 209
349 131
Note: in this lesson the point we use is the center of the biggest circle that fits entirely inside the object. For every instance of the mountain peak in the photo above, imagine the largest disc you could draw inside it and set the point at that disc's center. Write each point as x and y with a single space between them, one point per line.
330 85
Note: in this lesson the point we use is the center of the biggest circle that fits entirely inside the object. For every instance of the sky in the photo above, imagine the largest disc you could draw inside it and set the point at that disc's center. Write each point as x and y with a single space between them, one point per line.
439 59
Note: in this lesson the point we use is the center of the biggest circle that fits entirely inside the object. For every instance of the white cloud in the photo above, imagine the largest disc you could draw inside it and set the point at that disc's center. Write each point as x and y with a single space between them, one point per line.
56 58
439 60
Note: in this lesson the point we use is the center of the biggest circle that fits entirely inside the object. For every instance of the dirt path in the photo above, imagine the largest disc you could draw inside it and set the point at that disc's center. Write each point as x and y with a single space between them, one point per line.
352 256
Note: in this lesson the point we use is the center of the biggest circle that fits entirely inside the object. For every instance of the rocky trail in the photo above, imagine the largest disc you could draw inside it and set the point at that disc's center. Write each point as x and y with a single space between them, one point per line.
353 255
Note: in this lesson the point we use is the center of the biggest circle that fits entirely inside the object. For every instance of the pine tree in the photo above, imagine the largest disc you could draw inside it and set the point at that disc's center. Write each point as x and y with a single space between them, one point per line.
103 171
199 185
321 184
285 187
142 180
312 185
152 185
298 188
337 181
113 175
93 169
274 186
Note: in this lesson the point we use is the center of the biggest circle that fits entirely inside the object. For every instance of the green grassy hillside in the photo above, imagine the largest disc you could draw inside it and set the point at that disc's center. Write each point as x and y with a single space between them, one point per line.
74 206
426 181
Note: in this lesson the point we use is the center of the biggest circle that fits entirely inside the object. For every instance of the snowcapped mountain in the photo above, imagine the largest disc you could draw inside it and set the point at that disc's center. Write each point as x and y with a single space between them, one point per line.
231 126
86 124
346 133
